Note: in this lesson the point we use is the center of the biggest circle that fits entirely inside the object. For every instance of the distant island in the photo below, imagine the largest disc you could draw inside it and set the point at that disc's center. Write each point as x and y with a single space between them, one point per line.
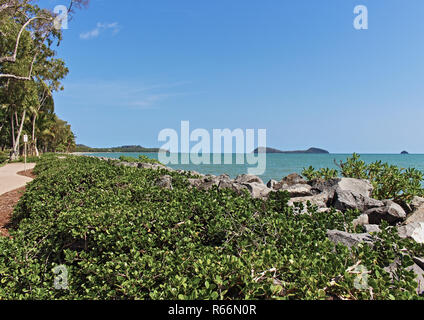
310 151
404 152
123 149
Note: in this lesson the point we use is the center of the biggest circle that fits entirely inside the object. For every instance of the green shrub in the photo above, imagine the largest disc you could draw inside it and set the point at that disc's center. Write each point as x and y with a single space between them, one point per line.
324 173
4 156
121 236
141 159
389 181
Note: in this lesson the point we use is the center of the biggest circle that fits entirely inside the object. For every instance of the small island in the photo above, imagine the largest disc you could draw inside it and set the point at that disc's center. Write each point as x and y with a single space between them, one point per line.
309 151
404 152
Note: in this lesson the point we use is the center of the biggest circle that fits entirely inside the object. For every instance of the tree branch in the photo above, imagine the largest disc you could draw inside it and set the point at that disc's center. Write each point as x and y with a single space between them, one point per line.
12 58
28 78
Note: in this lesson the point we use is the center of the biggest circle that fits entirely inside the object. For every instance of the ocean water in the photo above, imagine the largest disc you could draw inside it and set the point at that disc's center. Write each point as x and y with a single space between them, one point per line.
281 165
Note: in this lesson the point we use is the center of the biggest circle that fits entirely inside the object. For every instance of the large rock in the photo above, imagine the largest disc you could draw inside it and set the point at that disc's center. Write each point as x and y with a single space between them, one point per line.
390 212
419 262
362 220
293 179
358 186
413 231
196 183
349 239
298 190
345 200
208 184
418 271
320 201
372 228
272 184
417 210
354 194
291 183
419 277
417 203
258 190
153 166
327 186
223 177
248 178
224 184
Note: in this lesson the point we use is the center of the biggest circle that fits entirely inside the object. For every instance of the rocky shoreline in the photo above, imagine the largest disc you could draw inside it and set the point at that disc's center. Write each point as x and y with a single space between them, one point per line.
339 194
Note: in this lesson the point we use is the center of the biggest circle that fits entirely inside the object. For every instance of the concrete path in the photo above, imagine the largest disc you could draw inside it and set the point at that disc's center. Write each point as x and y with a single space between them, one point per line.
10 180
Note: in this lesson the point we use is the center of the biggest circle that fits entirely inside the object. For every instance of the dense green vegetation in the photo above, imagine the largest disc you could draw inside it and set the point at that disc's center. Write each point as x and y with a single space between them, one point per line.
141 159
121 236
123 149
3 157
389 181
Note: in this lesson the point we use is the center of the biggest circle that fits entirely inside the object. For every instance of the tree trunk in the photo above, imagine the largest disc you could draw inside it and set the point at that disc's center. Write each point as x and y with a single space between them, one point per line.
34 149
15 152
12 123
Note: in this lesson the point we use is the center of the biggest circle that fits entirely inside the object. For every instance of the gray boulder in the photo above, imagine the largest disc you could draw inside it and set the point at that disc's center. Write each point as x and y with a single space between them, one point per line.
390 212
413 231
344 200
208 184
418 271
419 262
272 183
362 220
372 228
327 186
197 174
224 184
248 178
298 190
293 179
165 182
358 186
354 194
417 203
153 166
319 201
349 239
223 177
416 216
258 190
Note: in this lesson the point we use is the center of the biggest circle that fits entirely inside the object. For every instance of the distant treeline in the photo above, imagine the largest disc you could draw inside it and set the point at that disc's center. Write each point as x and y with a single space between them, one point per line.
84 148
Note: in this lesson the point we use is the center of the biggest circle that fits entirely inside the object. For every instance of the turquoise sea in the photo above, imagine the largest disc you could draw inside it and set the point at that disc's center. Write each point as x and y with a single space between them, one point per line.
281 165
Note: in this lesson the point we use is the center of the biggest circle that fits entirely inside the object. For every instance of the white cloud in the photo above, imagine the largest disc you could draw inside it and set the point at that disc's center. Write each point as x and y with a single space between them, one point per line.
100 28
123 94
148 100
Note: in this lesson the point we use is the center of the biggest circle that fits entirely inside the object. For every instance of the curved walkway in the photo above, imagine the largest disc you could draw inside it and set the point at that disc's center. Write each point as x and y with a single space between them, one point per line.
10 180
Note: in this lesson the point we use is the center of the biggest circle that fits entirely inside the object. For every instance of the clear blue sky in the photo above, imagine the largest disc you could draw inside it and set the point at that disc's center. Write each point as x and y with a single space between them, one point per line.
297 68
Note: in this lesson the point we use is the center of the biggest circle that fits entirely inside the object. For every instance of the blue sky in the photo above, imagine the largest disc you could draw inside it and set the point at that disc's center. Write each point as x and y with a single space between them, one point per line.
297 68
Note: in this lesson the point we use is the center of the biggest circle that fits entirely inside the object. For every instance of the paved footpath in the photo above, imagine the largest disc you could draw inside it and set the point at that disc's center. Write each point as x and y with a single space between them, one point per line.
10 180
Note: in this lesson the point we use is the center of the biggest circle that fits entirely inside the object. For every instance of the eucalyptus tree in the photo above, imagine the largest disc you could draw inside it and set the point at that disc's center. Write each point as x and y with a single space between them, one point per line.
17 101
48 81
